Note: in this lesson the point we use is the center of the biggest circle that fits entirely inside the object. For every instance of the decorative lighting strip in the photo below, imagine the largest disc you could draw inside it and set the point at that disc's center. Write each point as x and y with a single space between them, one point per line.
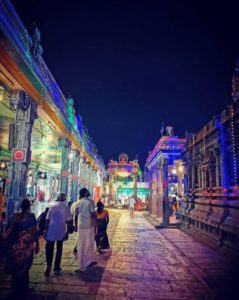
204 167
234 155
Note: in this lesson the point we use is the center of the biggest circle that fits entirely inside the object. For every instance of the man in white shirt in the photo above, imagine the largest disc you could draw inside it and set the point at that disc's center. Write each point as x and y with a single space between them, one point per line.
84 220
58 222
131 206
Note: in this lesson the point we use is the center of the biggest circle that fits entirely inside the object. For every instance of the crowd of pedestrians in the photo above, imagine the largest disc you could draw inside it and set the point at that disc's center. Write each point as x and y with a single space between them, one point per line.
20 240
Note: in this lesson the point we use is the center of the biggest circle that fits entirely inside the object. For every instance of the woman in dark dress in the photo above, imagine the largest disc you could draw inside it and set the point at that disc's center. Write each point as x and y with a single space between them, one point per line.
102 220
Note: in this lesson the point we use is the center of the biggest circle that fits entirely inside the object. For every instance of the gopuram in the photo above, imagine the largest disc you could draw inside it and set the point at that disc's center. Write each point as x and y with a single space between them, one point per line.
125 180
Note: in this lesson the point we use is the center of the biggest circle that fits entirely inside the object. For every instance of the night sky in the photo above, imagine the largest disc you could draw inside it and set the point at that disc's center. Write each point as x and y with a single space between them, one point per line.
130 65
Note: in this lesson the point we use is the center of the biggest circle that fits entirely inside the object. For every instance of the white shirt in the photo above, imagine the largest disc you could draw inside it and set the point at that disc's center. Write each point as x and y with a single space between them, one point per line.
73 210
83 211
131 202
58 215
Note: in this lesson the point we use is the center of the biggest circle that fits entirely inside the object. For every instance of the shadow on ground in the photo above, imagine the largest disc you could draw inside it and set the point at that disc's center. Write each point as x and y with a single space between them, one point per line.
92 275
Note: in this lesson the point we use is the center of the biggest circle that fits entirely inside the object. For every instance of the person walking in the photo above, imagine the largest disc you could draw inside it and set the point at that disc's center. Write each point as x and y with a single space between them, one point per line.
84 219
58 225
73 210
21 250
102 220
131 206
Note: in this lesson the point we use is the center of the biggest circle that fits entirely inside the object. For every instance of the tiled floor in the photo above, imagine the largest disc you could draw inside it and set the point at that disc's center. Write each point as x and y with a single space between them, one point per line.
144 263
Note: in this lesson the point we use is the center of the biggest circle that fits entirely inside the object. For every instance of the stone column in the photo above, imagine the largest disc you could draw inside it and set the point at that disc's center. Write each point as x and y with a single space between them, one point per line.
154 208
26 113
135 174
160 192
111 187
65 164
166 213
180 183
91 180
81 172
218 174
150 190
193 176
75 164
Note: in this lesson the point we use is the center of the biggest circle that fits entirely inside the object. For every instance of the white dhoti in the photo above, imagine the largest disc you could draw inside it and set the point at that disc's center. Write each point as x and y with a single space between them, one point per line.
85 247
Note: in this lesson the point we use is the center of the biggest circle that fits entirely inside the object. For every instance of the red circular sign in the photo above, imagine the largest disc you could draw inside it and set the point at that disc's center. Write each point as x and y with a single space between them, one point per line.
19 155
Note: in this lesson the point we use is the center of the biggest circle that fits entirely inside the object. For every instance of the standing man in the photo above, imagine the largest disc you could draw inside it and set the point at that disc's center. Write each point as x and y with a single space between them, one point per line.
131 206
73 211
58 225
85 216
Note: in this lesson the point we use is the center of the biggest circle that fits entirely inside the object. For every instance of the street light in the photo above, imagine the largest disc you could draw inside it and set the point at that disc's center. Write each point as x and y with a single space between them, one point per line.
3 165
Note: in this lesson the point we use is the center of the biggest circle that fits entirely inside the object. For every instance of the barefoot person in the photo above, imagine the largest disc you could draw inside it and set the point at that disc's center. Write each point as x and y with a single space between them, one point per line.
84 220
131 206
102 220
57 218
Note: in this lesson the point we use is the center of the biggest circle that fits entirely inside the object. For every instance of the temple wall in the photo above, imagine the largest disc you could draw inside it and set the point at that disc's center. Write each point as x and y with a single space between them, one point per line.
211 208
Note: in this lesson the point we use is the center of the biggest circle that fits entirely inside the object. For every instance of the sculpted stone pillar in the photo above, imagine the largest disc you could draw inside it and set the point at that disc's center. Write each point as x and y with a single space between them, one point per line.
111 187
166 213
218 174
20 140
154 205
135 184
65 164
160 192
75 164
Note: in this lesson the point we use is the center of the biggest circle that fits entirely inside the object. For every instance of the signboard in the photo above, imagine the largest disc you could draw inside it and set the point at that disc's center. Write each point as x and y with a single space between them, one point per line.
64 173
19 155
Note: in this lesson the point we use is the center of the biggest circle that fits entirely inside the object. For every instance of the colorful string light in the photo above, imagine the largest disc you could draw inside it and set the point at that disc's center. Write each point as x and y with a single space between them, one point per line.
234 154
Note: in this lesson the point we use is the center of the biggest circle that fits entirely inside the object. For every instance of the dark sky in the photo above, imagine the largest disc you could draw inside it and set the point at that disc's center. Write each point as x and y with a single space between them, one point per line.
130 65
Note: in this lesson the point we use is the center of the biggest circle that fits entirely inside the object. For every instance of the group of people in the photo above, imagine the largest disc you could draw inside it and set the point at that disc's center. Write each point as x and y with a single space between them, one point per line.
174 204
60 220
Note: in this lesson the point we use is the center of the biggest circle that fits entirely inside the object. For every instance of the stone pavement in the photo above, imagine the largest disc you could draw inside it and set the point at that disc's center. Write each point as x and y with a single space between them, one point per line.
144 263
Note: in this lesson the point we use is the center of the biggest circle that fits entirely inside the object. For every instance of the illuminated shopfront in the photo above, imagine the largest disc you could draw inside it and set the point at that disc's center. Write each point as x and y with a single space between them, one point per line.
44 146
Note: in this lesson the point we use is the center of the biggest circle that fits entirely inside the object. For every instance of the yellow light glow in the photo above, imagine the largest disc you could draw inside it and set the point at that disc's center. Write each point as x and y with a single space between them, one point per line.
49 138
3 165
123 174
180 168
174 171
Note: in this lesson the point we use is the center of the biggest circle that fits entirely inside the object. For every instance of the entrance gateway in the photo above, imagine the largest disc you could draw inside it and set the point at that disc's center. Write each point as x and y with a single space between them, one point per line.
124 181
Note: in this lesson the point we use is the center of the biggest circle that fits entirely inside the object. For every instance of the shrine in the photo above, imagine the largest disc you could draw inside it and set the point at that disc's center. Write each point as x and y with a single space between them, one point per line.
125 180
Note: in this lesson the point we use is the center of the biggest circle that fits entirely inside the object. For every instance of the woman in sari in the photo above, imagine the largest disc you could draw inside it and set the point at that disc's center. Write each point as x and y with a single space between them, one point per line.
20 253
102 220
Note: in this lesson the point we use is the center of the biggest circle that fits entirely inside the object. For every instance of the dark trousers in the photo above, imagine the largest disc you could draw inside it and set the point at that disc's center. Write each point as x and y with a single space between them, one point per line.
50 252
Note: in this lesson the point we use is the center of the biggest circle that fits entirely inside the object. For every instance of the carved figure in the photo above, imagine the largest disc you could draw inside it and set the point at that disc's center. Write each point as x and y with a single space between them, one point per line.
36 43
169 130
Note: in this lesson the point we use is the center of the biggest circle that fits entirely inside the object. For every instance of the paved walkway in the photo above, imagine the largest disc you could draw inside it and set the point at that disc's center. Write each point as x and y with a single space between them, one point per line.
144 263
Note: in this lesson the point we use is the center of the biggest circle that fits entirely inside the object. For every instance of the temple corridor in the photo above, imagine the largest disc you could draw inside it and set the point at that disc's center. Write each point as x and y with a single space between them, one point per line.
144 263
